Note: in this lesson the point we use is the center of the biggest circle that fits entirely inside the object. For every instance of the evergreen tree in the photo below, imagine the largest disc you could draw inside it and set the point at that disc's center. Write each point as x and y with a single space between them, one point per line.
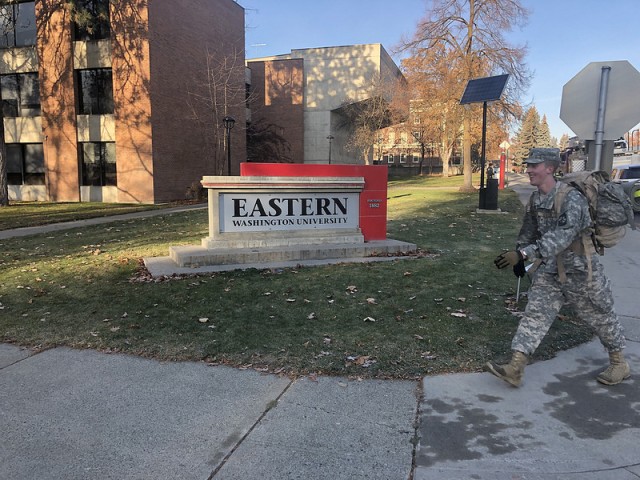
564 141
543 135
527 135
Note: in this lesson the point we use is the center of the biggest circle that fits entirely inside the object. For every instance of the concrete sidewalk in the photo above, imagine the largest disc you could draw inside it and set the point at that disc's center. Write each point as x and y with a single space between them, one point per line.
67 414
560 424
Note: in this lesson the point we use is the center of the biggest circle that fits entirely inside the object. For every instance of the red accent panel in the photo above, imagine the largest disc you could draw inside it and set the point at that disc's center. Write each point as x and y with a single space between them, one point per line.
502 168
373 199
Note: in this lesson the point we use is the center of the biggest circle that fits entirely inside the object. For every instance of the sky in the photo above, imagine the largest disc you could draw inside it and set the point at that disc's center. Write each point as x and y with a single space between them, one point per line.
562 36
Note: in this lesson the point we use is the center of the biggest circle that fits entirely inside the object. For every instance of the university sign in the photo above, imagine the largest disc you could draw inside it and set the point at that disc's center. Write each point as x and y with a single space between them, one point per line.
245 212
319 214
260 211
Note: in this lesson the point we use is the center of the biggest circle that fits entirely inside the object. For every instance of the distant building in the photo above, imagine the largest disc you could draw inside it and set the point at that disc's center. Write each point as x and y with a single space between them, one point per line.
302 93
111 110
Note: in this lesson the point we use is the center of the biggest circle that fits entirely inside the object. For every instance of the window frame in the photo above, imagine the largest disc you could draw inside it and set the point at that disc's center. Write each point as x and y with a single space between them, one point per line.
106 177
103 26
21 109
28 175
13 37
98 104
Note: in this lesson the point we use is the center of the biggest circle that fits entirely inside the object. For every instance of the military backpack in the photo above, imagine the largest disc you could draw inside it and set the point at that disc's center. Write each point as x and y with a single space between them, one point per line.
609 206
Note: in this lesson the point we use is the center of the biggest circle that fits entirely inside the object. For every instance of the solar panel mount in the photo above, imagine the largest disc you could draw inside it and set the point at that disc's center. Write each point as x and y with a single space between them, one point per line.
487 89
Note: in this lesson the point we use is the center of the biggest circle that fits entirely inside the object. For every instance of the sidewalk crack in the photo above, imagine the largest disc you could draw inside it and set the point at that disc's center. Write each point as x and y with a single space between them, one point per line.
272 404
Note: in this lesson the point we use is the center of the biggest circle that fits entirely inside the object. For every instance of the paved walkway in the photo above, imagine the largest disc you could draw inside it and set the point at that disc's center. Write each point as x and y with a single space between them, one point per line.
67 414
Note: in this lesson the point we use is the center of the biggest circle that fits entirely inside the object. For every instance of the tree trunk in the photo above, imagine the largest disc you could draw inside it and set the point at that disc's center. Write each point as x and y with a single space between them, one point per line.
4 183
467 185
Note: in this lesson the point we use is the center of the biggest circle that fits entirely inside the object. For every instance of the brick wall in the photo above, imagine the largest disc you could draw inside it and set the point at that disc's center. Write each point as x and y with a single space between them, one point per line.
131 80
57 101
192 45
278 99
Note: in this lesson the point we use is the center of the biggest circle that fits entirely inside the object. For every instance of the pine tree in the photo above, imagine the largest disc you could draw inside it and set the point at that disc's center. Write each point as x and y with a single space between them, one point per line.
543 135
527 136
564 141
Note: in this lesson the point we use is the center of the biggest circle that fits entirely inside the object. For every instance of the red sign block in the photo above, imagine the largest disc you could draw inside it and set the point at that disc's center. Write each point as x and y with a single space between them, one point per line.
373 199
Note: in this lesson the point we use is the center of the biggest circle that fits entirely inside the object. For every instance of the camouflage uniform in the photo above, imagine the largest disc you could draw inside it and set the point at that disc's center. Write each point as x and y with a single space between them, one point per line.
544 235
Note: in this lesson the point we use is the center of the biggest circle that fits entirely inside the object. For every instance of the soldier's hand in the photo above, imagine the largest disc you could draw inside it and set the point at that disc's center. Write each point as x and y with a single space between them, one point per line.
519 269
508 259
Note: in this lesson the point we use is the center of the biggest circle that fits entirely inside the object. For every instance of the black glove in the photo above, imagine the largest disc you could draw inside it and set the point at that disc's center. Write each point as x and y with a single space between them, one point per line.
519 269
508 259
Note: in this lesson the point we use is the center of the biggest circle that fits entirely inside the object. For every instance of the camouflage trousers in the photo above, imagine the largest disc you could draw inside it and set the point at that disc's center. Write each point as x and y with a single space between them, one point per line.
592 302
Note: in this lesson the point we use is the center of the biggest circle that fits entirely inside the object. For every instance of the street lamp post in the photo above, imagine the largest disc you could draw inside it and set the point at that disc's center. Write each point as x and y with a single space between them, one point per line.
228 123
330 138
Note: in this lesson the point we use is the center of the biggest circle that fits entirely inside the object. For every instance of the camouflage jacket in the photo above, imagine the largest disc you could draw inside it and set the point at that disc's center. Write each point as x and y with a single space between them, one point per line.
544 234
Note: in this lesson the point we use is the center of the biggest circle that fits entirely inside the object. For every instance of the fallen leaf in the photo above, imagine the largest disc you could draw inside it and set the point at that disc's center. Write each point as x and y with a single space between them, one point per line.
352 289
369 319
458 314
291 300
312 316
326 341
418 337
203 320
372 301
438 300
406 274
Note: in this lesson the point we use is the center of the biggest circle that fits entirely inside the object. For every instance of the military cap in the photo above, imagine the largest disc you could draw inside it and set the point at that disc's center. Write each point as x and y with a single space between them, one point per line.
539 155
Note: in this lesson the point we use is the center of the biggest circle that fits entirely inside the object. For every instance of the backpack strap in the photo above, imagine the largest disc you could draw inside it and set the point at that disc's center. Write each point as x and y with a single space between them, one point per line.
582 245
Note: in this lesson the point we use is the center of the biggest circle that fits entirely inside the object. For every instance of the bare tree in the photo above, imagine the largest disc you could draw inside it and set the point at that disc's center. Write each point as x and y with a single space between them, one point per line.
472 32
363 119
211 101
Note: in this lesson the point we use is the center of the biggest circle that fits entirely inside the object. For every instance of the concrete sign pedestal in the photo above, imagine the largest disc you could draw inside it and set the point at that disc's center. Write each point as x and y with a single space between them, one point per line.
256 220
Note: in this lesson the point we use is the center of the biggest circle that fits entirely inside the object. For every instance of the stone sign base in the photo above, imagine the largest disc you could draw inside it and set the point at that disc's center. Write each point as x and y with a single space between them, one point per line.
256 222
194 259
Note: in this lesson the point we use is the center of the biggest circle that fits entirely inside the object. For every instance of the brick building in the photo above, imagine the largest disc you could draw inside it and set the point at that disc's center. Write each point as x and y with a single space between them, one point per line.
302 93
117 108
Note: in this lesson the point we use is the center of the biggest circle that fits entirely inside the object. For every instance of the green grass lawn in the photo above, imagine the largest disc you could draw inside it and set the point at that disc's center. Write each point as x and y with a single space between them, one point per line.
446 310
30 214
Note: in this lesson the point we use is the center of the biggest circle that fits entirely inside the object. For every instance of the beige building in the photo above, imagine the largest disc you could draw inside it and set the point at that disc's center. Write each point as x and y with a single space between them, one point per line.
114 108
313 84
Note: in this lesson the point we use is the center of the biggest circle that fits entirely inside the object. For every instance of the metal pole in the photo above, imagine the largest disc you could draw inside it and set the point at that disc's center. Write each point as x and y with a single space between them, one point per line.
602 106
482 202
229 151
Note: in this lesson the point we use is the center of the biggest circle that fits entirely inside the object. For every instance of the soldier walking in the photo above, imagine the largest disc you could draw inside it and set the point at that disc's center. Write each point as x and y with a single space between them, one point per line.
565 272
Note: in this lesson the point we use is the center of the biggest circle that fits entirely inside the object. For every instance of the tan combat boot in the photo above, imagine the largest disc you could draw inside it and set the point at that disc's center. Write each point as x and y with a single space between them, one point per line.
617 371
511 372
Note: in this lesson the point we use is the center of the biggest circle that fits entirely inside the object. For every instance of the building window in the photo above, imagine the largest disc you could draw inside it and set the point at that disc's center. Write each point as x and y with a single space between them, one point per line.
403 158
20 93
91 20
95 88
18 25
25 164
416 158
390 158
98 163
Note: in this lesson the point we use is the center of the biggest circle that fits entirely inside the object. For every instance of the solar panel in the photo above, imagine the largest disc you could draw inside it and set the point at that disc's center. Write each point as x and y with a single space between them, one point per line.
487 89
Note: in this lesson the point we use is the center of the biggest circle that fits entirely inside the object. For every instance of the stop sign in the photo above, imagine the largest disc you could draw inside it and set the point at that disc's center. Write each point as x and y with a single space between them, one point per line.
581 95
